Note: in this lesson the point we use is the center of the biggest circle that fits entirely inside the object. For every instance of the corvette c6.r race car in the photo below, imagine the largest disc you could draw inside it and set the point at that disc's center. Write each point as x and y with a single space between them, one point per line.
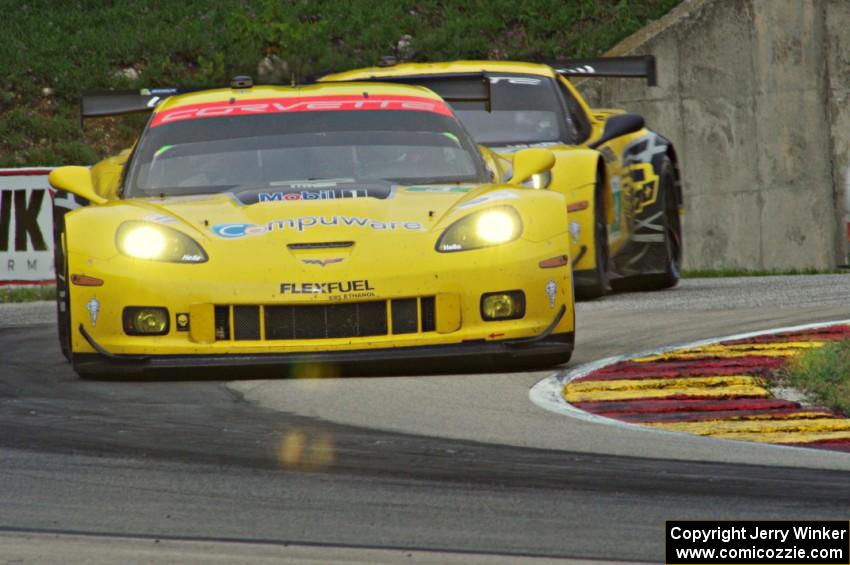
625 224
339 223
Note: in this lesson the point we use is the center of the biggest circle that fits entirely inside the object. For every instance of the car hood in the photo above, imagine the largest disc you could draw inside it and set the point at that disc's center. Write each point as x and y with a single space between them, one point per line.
310 212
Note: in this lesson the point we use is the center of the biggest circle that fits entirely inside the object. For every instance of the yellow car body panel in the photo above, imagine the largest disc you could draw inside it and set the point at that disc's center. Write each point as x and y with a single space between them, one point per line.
631 176
267 255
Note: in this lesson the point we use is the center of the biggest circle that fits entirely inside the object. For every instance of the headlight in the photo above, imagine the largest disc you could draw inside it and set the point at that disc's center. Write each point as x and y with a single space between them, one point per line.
144 240
482 229
541 180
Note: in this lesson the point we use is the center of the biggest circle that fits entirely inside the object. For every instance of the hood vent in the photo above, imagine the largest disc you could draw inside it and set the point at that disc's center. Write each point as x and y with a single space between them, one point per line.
322 245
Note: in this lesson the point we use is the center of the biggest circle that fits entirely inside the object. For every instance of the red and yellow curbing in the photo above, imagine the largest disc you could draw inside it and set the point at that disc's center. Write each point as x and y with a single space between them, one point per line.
720 389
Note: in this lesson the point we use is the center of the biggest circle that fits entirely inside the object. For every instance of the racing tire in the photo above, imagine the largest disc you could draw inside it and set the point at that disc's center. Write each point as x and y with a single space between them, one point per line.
599 279
672 226
63 297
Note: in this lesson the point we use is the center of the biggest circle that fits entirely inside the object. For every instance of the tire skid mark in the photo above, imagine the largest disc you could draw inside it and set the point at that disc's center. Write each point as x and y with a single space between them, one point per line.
718 389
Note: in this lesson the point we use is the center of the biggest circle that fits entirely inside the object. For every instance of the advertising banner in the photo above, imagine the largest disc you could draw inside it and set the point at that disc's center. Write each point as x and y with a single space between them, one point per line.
26 227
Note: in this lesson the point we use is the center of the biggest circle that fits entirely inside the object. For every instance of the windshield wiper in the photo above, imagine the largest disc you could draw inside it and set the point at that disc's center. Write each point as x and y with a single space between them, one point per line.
432 180
166 191
311 180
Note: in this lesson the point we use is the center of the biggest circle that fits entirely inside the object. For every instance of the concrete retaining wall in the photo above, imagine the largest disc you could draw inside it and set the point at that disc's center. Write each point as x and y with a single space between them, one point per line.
755 94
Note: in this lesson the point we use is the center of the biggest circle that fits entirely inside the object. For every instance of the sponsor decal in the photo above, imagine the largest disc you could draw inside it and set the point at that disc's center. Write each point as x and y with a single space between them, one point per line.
551 292
443 189
575 231
183 322
339 290
299 191
644 149
639 178
323 262
491 197
617 193
93 306
643 185
304 223
344 103
281 196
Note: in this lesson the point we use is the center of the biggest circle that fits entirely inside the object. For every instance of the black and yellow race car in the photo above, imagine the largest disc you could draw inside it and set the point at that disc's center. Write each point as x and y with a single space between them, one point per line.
625 223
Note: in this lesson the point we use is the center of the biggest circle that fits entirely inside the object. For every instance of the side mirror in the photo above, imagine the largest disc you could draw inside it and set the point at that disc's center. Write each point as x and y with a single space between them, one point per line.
529 162
618 125
76 180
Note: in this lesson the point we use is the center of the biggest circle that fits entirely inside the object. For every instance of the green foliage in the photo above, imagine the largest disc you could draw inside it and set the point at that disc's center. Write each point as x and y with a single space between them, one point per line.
27 294
82 45
824 374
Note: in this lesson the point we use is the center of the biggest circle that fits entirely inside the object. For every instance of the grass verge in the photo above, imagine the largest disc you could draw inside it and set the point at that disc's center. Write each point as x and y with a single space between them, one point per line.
27 294
51 54
823 374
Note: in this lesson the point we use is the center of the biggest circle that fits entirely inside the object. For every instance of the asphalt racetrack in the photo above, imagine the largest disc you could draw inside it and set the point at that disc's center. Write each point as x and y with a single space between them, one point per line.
437 468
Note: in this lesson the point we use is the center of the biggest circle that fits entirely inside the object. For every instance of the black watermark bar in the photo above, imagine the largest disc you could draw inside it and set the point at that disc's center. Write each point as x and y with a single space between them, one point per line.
801 542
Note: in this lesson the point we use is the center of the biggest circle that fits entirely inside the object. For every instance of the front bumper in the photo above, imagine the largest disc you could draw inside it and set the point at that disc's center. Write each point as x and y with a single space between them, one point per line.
453 283
544 350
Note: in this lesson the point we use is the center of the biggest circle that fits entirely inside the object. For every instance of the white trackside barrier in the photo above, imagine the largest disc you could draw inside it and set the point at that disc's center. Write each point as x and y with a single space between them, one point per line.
26 227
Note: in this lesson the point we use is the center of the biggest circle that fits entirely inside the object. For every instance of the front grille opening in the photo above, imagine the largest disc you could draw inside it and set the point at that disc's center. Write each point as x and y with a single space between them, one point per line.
246 323
405 316
428 312
324 321
280 322
321 321
222 322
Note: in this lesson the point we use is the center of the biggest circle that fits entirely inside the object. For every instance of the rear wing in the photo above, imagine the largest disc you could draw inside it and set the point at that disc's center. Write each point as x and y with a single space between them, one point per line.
116 102
453 88
635 66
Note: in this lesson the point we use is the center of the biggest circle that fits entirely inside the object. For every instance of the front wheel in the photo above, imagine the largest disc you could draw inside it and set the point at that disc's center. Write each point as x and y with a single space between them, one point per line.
63 298
595 283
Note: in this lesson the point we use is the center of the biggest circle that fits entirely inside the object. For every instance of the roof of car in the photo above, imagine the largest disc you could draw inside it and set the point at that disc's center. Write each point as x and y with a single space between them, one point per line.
453 67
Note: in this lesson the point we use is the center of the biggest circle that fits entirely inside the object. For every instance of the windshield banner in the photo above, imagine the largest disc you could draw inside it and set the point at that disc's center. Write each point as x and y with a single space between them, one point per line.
26 227
340 103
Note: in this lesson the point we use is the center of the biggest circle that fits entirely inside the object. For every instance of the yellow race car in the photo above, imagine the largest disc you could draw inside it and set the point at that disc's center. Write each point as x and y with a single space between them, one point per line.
625 223
277 226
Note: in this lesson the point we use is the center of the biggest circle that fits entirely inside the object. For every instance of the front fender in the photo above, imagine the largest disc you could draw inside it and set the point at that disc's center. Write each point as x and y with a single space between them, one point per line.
574 171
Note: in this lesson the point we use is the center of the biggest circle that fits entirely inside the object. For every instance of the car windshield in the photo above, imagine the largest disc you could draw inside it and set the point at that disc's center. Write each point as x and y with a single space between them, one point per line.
196 156
524 110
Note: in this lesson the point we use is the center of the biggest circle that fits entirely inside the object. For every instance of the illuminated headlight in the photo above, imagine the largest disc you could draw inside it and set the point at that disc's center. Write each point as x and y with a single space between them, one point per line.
538 181
143 240
483 229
